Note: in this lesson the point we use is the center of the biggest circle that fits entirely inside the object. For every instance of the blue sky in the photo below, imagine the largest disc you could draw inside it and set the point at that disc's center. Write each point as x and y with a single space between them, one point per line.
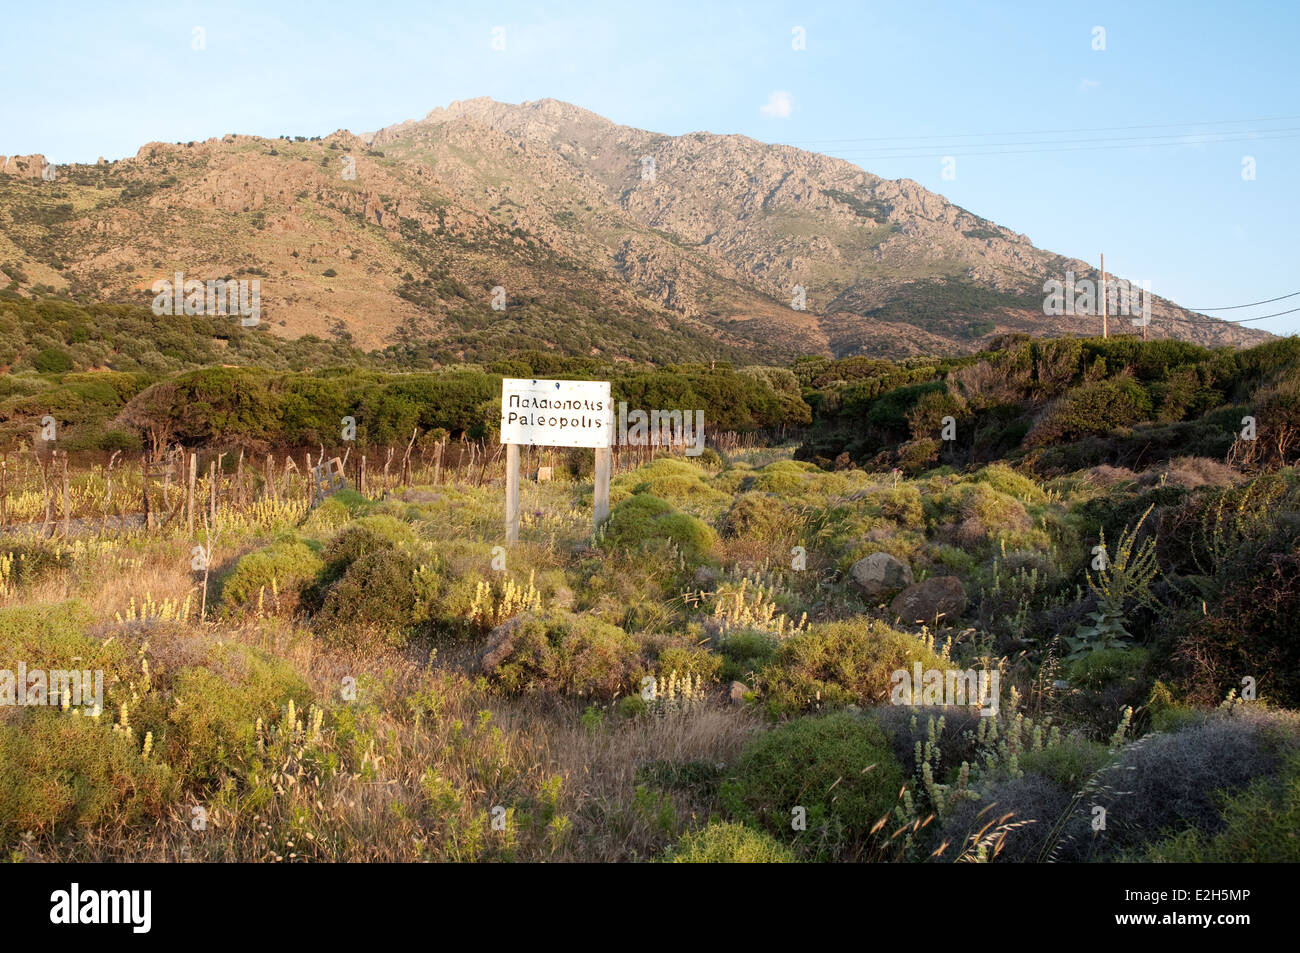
894 87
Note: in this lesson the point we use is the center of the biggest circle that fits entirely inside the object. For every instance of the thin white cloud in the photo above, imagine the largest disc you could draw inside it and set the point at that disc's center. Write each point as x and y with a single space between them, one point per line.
1087 84
778 106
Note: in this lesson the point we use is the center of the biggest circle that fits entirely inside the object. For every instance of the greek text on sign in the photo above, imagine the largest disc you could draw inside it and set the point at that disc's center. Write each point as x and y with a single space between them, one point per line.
556 413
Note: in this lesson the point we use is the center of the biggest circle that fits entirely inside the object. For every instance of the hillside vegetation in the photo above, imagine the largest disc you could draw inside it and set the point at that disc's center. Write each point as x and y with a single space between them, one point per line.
713 675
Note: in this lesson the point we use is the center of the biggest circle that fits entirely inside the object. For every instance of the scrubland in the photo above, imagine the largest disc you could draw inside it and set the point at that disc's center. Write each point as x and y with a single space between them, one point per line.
381 678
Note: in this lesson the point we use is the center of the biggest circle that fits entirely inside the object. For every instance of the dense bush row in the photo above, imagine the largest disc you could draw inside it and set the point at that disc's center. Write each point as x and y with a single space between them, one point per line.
1065 404
120 378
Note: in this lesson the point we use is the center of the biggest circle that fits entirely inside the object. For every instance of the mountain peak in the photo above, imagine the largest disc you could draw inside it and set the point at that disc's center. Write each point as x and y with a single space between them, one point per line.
605 238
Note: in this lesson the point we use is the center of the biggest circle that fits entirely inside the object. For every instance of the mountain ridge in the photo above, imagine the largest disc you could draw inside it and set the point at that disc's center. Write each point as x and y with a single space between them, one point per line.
607 239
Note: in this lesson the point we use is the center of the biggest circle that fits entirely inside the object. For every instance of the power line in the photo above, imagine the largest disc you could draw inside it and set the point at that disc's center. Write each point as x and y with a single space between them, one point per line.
1012 152
1237 307
1193 136
1260 318
1051 132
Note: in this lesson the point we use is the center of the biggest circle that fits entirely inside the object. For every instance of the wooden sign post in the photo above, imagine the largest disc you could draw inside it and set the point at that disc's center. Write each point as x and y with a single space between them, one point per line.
551 413
512 493
600 500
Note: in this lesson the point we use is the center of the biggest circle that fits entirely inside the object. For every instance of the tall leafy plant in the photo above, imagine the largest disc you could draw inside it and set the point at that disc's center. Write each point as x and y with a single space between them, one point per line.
1120 578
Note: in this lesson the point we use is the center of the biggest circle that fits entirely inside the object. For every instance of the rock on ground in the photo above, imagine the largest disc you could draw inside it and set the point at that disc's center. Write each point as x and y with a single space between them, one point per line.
880 574
924 601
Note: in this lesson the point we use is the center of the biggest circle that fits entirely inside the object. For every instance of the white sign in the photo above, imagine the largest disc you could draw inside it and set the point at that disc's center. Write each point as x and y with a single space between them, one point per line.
556 413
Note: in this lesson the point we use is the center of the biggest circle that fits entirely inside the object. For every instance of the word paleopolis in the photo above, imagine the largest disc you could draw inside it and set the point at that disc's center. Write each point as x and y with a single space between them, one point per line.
636 428
556 412
579 413
222 296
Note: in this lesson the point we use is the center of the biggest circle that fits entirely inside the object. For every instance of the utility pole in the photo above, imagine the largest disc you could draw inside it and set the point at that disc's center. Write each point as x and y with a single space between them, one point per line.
1105 328
1102 295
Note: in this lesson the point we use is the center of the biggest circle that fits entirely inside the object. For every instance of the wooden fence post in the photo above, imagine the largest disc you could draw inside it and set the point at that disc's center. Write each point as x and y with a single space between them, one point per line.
191 483
47 528
212 490
512 492
67 500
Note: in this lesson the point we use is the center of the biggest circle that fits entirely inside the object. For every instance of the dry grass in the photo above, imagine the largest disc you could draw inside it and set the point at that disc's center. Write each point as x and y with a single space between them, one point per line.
411 769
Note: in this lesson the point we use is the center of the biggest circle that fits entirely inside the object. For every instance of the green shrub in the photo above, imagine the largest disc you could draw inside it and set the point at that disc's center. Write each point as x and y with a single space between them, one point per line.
55 636
564 653
731 480
208 723
839 768
689 660
917 456
377 527
669 478
350 544
1010 483
723 842
760 516
840 663
333 512
630 706
902 504
115 438
375 598
1104 666
59 770
1092 409
987 515
366 536
1167 713
643 519
785 478
36 560
745 652
283 566
959 561
53 360
710 459
1069 764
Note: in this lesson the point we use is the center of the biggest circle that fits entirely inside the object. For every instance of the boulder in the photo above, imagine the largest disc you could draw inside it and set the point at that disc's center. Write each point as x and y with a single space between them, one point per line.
500 644
28 167
923 602
737 693
880 574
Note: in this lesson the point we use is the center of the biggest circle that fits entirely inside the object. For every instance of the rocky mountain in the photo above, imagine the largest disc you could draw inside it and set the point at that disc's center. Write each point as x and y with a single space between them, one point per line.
487 227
